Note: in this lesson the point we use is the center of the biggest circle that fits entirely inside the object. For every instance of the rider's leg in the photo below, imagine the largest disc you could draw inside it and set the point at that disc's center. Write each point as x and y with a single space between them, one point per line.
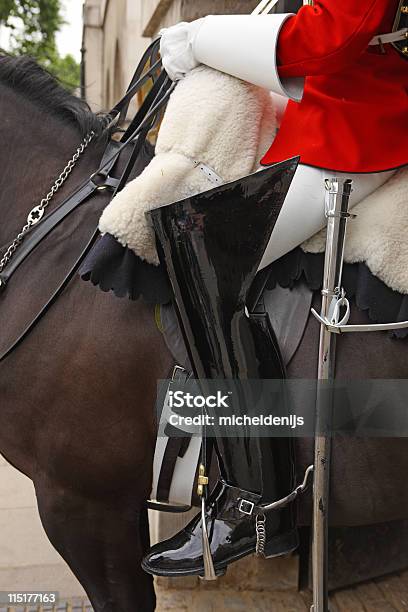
205 272
302 214
211 272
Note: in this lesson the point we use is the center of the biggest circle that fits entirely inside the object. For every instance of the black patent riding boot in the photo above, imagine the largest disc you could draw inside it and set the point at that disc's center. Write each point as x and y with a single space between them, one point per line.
211 245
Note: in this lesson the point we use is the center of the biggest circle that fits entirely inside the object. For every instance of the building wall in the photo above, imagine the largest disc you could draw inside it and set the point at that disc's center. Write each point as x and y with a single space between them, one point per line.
161 13
116 33
113 45
92 46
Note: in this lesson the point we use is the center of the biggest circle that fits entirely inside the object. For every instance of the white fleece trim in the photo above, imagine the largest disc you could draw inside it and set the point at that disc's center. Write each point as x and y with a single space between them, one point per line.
169 177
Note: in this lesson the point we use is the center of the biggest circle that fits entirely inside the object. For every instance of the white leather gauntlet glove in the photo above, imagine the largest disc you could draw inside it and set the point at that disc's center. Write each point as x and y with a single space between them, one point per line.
176 48
243 46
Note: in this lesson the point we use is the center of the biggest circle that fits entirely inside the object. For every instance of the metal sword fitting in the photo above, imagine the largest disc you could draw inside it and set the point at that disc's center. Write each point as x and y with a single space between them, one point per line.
332 321
333 299
336 209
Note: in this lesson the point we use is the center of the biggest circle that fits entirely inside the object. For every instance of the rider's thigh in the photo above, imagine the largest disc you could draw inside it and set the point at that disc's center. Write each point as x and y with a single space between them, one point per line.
302 214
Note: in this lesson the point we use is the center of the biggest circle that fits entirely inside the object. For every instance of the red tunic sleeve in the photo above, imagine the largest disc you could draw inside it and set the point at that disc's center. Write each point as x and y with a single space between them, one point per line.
328 36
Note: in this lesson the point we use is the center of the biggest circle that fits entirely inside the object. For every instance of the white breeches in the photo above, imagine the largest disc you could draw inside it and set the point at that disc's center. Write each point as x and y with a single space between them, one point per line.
302 214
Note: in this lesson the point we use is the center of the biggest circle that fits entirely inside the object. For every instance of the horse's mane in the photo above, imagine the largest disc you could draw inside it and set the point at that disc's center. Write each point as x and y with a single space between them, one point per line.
24 75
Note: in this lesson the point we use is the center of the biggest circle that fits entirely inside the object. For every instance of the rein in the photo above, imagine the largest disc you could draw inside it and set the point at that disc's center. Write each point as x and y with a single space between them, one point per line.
38 227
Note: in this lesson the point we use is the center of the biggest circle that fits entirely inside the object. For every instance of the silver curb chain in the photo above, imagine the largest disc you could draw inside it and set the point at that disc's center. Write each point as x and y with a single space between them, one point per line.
35 215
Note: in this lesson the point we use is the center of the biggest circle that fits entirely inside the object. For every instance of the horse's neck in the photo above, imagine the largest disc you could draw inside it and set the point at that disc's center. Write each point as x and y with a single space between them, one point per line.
35 148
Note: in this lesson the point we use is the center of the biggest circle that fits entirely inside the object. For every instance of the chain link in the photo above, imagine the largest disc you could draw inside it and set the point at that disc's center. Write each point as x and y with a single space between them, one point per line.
260 535
35 215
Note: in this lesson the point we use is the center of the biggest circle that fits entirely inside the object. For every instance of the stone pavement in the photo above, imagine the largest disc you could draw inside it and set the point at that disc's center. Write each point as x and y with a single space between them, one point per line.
256 585
270 586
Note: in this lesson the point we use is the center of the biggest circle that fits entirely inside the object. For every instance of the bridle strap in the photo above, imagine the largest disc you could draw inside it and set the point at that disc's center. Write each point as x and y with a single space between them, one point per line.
154 94
156 108
52 220
136 134
72 272
121 108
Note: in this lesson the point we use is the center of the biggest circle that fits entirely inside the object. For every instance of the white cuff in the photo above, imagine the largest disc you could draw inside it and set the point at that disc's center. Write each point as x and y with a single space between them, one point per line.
244 46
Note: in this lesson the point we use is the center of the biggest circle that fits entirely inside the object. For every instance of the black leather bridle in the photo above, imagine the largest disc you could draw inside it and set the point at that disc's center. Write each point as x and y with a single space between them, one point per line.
127 150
